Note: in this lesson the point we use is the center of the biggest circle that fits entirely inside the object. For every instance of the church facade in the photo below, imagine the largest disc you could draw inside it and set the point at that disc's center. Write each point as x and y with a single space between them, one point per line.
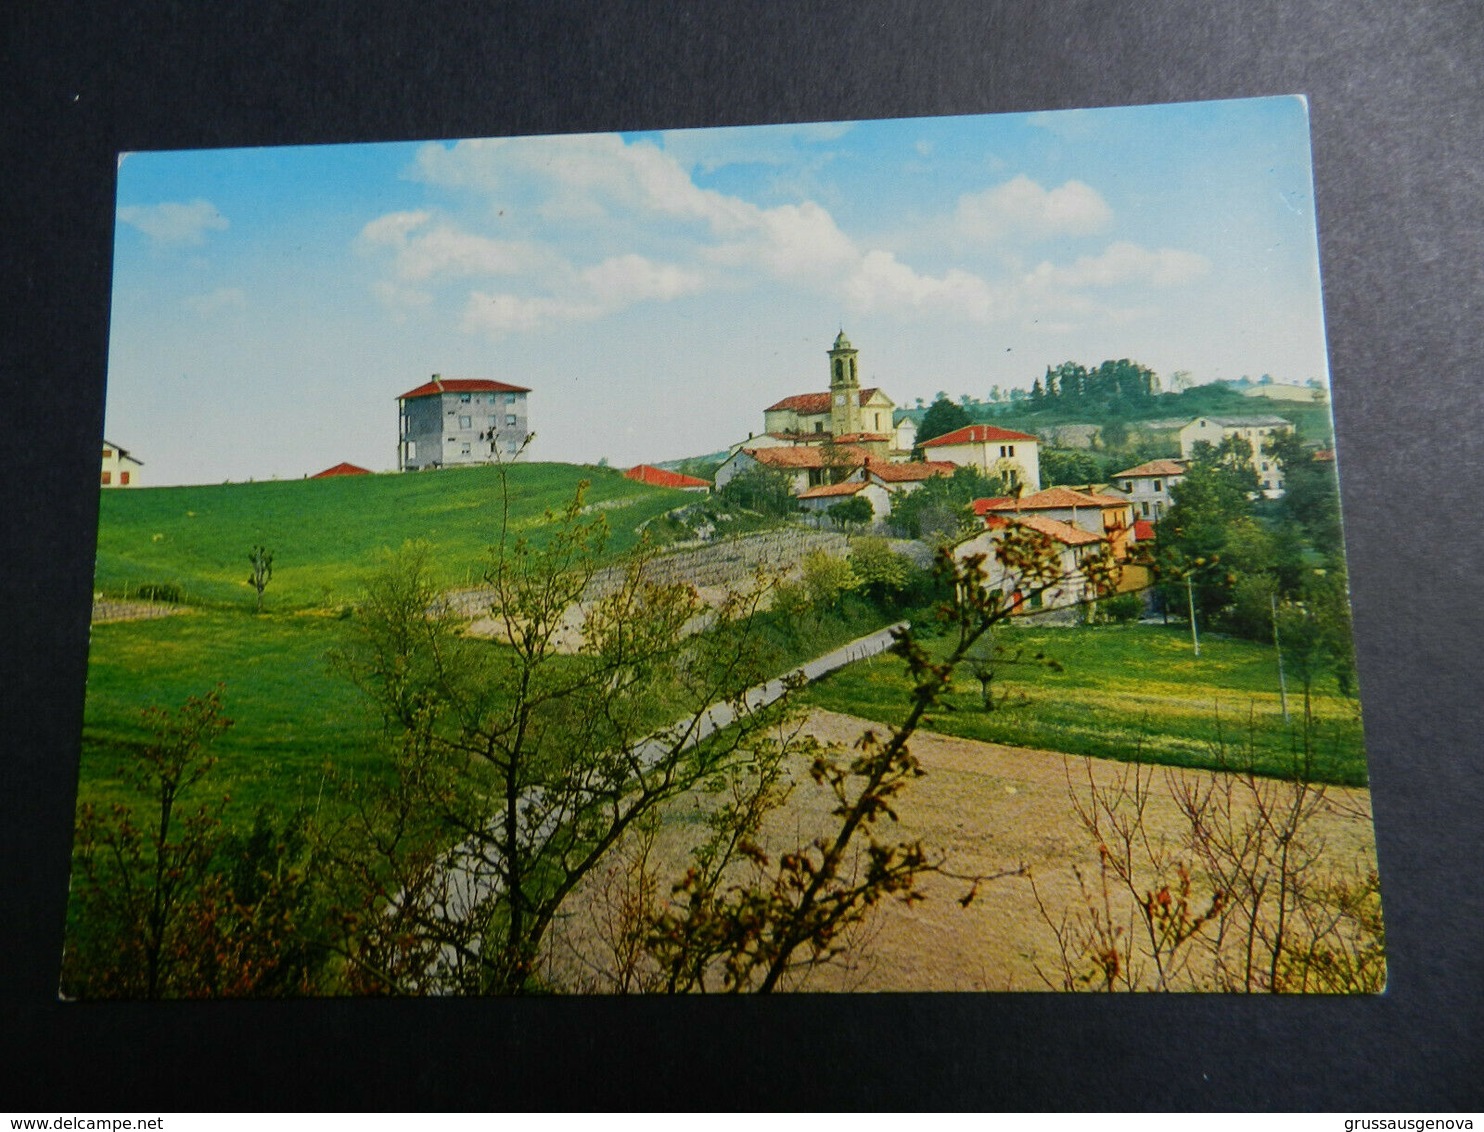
847 414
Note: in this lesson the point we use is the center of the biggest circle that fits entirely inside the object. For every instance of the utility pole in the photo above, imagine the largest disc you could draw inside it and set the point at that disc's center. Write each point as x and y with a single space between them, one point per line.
1190 600
1282 686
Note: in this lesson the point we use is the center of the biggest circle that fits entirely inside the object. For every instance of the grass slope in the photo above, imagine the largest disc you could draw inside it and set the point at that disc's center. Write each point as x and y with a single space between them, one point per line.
1126 691
326 535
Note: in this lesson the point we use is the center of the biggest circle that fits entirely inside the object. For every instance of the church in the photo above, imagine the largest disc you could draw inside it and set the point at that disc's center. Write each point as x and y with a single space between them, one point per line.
847 414
821 439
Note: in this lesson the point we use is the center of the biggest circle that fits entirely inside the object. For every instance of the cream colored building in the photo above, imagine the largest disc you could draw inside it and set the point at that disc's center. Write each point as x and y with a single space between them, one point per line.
1257 431
119 468
1013 456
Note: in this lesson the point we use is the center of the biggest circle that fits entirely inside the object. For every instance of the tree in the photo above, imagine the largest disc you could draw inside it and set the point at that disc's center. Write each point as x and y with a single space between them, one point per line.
143 873
939 509
768 491
856 510
262 571
941 418
989 658
517 765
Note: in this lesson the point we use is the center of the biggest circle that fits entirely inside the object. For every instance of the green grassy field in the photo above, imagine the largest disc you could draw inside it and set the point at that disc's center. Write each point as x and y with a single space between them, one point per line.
1124 692
326 535
292 716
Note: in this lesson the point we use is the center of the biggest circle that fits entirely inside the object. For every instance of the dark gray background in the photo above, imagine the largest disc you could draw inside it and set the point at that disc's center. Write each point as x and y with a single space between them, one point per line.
1395 102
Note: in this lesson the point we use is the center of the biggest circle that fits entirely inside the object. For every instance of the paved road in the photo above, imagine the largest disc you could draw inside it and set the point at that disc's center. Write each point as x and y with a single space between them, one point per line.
470 874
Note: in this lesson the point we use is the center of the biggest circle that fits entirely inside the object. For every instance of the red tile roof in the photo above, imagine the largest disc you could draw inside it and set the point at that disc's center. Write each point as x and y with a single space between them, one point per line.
461 385
849 487
342 470
977 434
910 473
1154 468
659 477
811 404
1063 533
1051 499
1143 530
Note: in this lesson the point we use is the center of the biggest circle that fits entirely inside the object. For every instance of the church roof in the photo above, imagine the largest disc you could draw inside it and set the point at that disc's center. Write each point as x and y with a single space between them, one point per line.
460 385
842 342
811 403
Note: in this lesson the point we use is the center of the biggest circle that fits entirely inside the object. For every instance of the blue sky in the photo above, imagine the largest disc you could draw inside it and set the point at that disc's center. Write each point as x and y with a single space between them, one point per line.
657 290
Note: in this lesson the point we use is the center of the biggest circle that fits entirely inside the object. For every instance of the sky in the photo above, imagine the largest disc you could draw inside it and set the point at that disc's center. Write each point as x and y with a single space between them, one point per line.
656 291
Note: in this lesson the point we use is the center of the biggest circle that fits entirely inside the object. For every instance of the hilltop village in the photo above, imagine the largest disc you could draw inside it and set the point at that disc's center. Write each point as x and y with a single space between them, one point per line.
848 455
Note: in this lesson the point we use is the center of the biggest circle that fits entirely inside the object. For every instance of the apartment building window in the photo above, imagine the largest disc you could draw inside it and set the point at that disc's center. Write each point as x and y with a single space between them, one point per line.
466 422
107 478
510 418
123 479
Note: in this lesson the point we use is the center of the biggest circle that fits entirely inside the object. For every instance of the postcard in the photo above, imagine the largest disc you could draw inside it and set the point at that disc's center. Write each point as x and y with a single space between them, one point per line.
830 557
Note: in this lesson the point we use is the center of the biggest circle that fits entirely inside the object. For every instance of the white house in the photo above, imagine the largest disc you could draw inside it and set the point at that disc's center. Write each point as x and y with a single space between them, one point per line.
1255 430
820 499
1106 516
1072 546
806 465
119 468
1148 486
1015 456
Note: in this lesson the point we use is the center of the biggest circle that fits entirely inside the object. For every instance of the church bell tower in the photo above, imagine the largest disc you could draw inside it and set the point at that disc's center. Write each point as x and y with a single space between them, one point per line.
845 388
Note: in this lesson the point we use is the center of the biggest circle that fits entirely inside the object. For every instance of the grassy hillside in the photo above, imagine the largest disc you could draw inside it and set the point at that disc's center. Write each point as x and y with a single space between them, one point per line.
326 534
1124 691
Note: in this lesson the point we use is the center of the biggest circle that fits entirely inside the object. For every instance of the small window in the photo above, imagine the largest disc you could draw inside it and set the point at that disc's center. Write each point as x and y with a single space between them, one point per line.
107 453
107 478
1012 450
510 418
1157 484
123 479
510 398
463 398
512 446
1145 506
819 426
466 422
464 449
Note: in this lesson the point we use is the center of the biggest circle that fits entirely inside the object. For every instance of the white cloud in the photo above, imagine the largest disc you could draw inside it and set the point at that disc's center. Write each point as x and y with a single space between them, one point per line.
424 253
171 222
1124 263
222 299
790 242
624 280
581 176
713 149
883 281
1023 209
